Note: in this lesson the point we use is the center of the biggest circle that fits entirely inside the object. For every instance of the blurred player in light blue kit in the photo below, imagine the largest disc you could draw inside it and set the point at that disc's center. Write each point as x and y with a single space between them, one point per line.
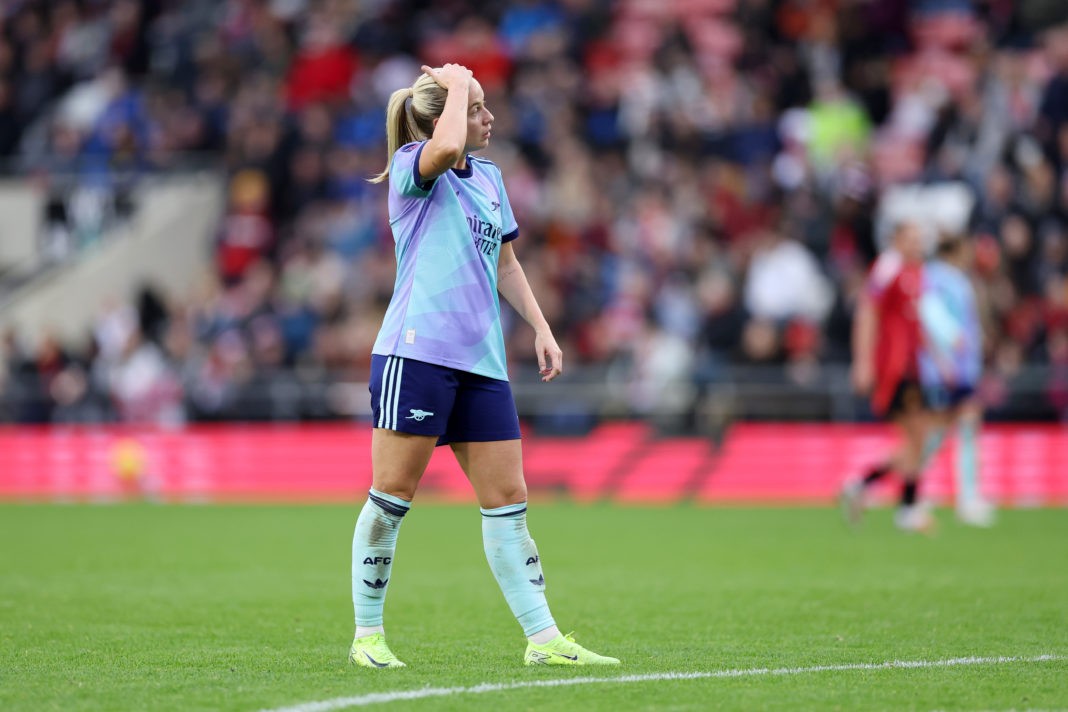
951 364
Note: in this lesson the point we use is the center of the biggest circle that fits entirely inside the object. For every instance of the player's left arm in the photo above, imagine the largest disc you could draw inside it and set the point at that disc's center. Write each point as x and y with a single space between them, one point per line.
865 327
513 285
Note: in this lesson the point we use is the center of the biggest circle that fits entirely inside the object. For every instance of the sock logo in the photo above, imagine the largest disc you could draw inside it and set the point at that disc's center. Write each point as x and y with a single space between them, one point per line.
532 560
537 582
379 583
378 560
418 415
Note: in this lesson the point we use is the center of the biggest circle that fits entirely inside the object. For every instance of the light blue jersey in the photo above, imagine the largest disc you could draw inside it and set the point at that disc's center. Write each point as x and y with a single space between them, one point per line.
954 341
445 309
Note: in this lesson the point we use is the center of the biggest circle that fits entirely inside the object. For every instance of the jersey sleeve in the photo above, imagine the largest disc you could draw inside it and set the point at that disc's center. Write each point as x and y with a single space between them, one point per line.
508 224
404 175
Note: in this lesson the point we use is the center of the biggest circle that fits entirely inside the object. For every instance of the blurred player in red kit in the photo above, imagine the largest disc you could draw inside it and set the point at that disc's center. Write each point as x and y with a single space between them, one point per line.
887 338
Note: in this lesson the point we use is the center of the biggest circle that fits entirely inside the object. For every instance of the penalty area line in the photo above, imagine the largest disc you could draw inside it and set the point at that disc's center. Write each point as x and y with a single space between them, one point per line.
378 698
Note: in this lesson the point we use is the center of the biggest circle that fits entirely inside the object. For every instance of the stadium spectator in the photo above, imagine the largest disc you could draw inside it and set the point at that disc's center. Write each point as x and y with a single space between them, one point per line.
10 127
247 233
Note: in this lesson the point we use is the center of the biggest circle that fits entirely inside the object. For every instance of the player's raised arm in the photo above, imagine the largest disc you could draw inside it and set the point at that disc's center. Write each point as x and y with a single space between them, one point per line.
434 110
447 143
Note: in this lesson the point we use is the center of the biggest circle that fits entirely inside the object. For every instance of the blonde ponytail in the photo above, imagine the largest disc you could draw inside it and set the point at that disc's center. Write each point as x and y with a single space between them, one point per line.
410 116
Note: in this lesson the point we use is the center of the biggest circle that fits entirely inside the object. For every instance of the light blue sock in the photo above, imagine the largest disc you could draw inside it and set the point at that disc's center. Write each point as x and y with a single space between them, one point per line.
513 559
931 445
967 462
373 544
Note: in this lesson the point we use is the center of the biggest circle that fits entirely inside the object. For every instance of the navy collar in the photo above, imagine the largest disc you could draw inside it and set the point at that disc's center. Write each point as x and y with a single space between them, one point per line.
464 172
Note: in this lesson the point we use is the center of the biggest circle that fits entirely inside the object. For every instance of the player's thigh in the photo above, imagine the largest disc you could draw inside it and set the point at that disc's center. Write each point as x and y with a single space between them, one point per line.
398 461
483 411
411 402
910 412
483 430
495 469
967 406
970 411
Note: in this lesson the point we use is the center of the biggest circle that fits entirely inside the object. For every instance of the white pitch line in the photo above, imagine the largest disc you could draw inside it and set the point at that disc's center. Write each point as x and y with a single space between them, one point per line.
377 698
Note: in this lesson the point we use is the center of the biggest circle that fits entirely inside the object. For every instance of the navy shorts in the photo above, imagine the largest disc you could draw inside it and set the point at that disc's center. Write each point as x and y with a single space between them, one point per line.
948 397
908 397
422 398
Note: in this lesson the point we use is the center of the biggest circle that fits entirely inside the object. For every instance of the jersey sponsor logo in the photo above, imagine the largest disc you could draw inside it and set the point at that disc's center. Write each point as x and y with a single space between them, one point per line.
487 236
418 415
486 247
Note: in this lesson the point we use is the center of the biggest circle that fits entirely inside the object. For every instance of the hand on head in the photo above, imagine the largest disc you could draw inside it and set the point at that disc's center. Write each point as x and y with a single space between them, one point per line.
449 76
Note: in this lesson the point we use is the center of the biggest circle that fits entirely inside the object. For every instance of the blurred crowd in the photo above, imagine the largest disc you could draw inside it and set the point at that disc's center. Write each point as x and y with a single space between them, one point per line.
700 185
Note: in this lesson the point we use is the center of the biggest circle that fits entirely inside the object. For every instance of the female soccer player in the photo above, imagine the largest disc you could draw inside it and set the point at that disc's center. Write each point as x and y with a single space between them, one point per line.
951 365
887 339
438 371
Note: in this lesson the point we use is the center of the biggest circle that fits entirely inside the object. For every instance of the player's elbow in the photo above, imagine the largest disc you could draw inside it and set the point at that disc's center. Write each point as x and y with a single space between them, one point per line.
445 153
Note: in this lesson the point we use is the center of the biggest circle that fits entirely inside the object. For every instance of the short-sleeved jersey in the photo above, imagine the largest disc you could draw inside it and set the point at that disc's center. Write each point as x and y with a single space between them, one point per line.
895 287
951 326
449 231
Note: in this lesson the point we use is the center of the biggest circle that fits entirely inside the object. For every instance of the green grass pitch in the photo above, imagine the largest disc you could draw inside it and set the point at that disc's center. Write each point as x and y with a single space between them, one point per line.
144 607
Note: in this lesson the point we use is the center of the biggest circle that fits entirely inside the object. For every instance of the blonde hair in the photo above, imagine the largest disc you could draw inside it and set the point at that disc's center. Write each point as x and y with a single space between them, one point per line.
410 116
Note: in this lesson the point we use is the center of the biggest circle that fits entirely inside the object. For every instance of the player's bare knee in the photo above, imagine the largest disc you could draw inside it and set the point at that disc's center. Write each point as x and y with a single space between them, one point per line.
398 486
502 496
